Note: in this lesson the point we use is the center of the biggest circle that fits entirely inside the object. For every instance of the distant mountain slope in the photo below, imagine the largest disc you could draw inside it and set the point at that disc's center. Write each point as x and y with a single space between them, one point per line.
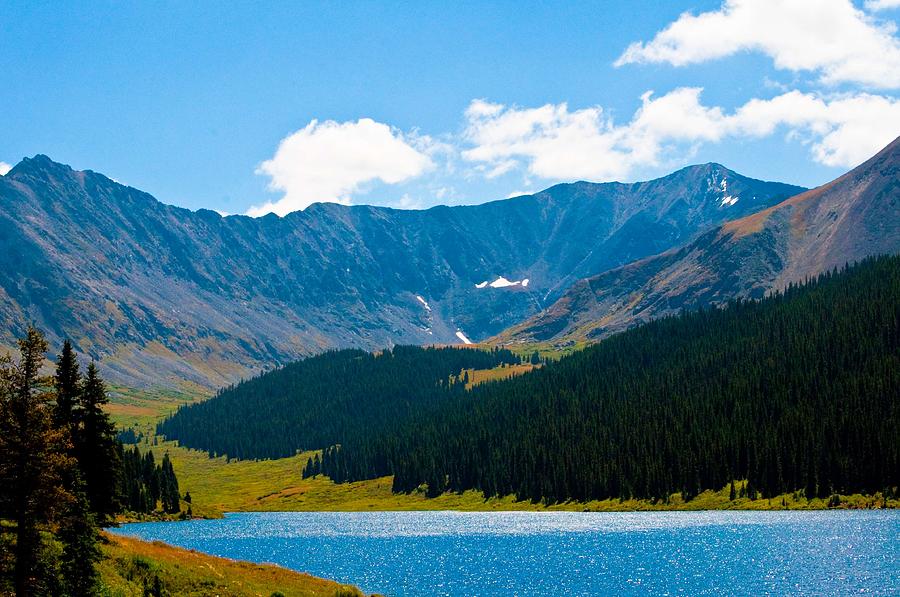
160 294
852 217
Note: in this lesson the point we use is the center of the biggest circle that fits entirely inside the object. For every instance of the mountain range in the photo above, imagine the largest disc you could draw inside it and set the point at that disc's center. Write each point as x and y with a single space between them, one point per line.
161 295
852 217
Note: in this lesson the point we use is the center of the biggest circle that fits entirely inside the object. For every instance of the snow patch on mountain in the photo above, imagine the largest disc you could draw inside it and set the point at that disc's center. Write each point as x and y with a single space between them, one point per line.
727 200
502 282
424 302
463 337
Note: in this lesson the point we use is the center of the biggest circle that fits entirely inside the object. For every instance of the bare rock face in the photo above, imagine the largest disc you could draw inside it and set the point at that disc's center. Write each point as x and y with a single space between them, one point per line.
852 217
160 295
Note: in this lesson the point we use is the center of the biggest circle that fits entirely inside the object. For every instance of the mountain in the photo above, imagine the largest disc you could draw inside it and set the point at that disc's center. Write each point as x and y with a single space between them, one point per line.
160 295
854 216
797 391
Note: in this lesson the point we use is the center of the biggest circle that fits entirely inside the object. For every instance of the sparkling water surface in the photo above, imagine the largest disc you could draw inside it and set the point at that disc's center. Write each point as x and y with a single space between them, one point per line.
564 553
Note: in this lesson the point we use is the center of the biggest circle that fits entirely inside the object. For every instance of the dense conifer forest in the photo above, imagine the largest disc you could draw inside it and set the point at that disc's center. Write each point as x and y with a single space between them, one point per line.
146 484
63 473
325 400
799 391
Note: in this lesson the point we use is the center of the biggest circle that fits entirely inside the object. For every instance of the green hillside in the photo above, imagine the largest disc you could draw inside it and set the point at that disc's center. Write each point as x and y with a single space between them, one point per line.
326 399
797 392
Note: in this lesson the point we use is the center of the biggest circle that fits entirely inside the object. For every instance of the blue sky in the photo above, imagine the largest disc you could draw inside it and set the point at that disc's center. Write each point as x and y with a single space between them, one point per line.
250 106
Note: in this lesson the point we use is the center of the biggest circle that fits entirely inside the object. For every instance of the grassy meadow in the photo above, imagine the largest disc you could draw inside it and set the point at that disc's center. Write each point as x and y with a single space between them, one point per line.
131 568
217 485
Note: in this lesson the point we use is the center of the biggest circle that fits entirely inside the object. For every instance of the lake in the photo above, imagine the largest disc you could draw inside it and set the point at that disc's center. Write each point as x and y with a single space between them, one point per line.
563 553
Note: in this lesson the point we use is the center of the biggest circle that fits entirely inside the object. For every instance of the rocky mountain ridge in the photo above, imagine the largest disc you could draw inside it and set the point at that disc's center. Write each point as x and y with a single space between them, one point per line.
855 216
159 294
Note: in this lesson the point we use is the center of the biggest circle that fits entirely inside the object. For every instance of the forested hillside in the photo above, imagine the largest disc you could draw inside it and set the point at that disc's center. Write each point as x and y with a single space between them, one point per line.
797 391
325 400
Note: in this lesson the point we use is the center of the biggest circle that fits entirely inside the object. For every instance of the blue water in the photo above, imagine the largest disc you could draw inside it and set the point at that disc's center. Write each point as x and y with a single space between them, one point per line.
564 553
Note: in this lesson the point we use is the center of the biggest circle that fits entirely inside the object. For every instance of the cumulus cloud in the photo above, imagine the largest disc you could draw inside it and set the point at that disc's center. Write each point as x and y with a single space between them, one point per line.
882 4
554 142
829 37
4 168
841 132
329 161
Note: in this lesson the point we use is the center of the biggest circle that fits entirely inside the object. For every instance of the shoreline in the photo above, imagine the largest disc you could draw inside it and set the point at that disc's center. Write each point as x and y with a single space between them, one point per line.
854 502
130 565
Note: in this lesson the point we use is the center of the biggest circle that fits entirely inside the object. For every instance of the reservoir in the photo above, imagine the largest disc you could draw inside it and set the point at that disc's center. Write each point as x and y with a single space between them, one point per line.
563 553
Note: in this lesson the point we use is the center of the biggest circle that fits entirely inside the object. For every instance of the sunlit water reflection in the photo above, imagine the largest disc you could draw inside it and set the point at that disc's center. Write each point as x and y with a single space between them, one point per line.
564 553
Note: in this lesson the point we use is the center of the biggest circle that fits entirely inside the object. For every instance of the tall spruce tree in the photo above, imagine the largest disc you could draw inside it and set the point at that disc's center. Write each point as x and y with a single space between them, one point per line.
80 554
97 448
33 457
169 487
68 386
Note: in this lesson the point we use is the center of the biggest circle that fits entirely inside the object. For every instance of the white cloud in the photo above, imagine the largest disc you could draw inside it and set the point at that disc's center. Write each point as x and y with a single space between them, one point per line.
842 131
408 202
4 168
882 4
329 161
553 142
829 37
519 194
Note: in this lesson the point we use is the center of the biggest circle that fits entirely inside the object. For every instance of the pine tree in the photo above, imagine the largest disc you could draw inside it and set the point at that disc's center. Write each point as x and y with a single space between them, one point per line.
96 448
169 486
67 382
78 534
33 457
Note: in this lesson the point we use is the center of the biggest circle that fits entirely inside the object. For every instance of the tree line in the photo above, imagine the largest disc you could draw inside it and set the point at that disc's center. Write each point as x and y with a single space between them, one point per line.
797 391
146 484
63 473
325 399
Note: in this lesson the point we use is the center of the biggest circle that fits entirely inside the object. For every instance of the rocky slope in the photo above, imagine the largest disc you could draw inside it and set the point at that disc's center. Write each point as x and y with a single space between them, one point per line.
160 294
852 217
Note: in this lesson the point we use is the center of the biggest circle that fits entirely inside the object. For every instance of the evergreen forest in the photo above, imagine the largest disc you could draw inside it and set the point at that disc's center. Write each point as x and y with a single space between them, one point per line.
325 400
799 391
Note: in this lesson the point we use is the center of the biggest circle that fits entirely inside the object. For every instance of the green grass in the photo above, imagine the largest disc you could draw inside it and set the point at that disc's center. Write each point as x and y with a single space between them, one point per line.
546 350
217 485
479 376
129 565
142 409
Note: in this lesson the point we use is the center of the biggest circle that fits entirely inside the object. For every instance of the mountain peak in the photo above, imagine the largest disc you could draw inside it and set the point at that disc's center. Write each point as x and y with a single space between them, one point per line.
704 170
40 163
850 218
